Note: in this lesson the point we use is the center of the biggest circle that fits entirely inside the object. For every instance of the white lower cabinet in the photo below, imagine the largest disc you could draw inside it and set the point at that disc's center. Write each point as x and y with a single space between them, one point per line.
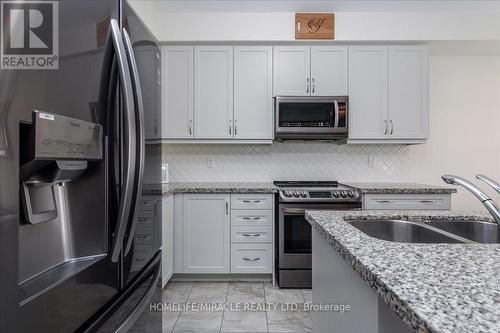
251 258
223 233
407 201
167 258
206 233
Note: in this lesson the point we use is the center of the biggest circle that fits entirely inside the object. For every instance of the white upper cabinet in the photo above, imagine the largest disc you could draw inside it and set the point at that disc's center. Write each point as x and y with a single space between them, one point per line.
367 92
148 62
206 233
213 92
329 70
408 92
177 92
253 100
292 70
388 94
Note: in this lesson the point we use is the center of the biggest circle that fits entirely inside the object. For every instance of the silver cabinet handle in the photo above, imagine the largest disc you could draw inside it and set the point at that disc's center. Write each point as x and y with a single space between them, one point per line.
248 259
385 201
386 127
251 235
227 206
392 127
313 85
427 201
251 218
251 201
142 236
230 125
190 127
235 128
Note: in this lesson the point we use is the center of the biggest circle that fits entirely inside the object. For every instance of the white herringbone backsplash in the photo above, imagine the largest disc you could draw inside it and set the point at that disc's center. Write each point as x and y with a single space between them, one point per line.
288 161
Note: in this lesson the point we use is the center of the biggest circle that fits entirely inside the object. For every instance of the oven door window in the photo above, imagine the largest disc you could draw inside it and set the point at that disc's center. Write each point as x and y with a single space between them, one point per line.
297 235
295 114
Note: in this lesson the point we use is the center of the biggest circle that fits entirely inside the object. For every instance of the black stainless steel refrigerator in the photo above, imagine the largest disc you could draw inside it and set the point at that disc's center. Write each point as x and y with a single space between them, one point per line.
72 154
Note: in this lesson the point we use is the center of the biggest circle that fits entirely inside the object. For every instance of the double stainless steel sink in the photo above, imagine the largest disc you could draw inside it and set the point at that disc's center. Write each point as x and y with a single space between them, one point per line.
434 231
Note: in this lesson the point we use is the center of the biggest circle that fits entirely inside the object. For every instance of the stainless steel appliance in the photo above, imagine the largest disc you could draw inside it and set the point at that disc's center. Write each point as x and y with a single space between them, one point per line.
293 243
311 117
72 154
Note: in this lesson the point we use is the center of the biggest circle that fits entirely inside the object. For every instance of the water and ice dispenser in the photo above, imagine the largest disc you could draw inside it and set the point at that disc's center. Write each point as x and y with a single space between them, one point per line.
56 150
63 198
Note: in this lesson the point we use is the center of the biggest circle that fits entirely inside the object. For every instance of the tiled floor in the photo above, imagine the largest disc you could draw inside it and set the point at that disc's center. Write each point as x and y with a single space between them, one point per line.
231 320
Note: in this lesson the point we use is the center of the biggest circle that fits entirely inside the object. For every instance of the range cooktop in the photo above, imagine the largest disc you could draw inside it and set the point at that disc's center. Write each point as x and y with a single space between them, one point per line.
316 191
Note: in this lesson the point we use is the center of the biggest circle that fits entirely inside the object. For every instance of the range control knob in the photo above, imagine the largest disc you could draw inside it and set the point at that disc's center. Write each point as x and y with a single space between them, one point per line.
352 194
336 194
296 194
343 194
287 194
303 194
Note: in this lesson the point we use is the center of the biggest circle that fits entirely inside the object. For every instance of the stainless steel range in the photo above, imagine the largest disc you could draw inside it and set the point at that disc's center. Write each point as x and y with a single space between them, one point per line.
293 244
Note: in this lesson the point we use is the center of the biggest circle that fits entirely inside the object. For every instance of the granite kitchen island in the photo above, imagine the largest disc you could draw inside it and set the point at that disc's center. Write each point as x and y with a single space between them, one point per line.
428 287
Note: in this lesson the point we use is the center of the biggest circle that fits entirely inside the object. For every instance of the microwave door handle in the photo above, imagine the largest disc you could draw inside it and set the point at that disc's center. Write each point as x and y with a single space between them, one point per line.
336 107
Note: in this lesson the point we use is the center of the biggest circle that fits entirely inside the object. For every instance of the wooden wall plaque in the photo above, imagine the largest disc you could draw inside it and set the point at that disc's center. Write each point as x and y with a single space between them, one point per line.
314 26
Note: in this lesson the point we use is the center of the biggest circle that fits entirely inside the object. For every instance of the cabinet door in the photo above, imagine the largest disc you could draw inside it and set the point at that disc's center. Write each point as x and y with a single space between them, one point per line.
329 70
408 94
167 230
292 71
206 233
177 92
148 62
213 108
367 92
253 101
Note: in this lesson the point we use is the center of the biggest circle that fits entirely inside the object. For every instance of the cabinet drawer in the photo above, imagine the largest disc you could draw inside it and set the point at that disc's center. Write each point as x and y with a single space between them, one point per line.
251 234
251 258
142 253
143 236
251 201
146 204
144 219
407 201
252 218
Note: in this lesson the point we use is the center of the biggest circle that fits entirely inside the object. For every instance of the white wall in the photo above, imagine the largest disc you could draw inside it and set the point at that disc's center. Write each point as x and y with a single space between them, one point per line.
354 20
464 117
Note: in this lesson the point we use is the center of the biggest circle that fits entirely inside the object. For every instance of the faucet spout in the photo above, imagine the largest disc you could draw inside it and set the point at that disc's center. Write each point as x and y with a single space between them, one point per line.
477 192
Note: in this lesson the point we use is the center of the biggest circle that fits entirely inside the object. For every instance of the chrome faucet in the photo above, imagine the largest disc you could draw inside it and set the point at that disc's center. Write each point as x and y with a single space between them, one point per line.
490 182
477 192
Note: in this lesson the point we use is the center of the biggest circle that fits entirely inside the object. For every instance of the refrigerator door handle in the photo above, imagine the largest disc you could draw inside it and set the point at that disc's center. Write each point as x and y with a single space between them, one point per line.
115 49
140 140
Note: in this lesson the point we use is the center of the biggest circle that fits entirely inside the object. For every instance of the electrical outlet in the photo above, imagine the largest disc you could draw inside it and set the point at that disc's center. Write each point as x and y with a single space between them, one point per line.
372 161
210 162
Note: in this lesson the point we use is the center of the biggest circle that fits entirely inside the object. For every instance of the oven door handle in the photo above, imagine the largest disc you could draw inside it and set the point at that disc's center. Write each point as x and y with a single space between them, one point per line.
293 211
336 107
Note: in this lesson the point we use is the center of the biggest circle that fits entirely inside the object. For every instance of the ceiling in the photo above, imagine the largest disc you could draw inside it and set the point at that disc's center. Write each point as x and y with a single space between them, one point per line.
321 5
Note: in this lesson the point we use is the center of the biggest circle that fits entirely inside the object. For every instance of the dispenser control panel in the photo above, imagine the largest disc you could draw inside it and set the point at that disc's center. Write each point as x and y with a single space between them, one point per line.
60 137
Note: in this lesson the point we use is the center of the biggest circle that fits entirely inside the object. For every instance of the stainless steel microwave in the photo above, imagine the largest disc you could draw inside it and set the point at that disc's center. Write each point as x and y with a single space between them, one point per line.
317 118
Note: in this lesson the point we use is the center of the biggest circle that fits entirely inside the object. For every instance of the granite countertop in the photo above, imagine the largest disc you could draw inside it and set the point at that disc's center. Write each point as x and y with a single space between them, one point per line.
401 188
431 287
209 187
